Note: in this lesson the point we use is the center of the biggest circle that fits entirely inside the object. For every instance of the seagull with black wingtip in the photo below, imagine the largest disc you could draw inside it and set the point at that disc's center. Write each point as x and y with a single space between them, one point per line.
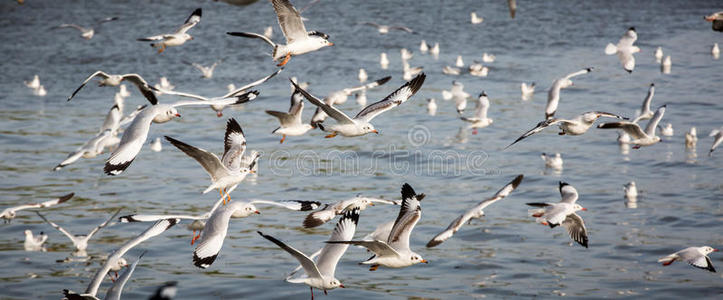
177 38
563 213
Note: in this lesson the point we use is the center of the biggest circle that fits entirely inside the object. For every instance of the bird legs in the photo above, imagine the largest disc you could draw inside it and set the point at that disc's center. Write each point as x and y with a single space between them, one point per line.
283 138
283 63
222 192
161 48
331 135
373 267
312 292
194 236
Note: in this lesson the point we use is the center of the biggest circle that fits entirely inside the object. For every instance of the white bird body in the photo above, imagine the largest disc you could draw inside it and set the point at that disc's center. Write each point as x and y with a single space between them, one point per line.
459 62
435 50
563 213
645 112
637 135
715 51
667 130
695 256
34 243
423 47
34 83
431 107
477 69
457 94
631 191
527 90
363 75
383 61
659 55
666 65
691 138
177 38
488 58
553 162
474 19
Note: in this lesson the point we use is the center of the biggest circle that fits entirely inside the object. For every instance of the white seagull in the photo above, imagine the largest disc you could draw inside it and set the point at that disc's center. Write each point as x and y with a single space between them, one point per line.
553 162
218 108
226 172
639 137
645 112
659 55
575 126
553 94
458 94
360 125
206 72
80 242
405 54
156 145
477 69
410 72
666 65
135 135
34 243
86 32
563 213
116 79
115 291
695 256
431 106
488 58
395 251
715 51
527 90
9 213
34 83
480 119
216 228
290 122
449 70
340 96
667 130
716 20
474 19
363 75
423 47
384 29
177 38
106 137
475 212
631 191
434 50
691 138
383 61
154 230
320 273
298 40
329 211
625 49
717 135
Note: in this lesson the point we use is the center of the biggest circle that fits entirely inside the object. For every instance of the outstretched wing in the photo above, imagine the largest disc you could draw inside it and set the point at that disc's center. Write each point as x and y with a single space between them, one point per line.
394 99
309 266
576 228
333 112
192 20
289 20
298 205
540 126
97 73
331 253
209 161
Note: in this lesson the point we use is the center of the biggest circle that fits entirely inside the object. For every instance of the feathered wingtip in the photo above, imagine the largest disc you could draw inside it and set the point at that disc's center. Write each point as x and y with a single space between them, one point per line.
416 83
516 182
233 126
408 193
65 198
352 214
563 184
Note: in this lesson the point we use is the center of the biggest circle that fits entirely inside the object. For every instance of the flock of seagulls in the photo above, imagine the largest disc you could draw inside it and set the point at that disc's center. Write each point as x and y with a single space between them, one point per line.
390 242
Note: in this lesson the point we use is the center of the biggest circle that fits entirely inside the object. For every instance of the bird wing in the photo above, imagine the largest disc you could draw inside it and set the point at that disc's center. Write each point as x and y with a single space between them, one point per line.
298 205
131 142
212 236
237 91
402 28
289 20
320 217
309 266
333 112
653 123
581 72
112 119
154 230
153 218
56 201
285 119
409 214
568 193
192 20
143 86
114 292
627 60
236 99
253 36
97 73
234 145
182 94
702 262
576 228
628 39
209 161
95 230
372 24
394 99
450 230
367 86
379 248
61 229
540 126
331 253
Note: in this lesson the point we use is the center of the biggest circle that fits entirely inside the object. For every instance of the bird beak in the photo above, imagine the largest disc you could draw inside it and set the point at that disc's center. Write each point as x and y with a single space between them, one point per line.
252 172
342 286
425 261
191 37
715 250
584 209
375 131
709 19
219 114
178 115
257 212
331 44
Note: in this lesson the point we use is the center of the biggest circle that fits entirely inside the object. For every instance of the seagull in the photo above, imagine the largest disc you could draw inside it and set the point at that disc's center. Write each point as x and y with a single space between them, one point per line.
298 40
320 273
135 136
477 69
329 211
114 292
563 213
216 228
384 29
449 70
667 130
488 58
553 162
163 84
226 173
154 230
156 145
423 47
527 91
480 119
123 91
716 19
631 191
405 54
360 125
435 50
361 98
666 65
431 106
218 108
34 83
206 72
116 79
106 137
381 233
384 61
695 256
86 32
40 91
474 19
80 242
553 95
659 55
363 75
340 96
458 94
290 122
715 51
177 38
34 243
475 212
718 138
691 138
513 7
625 49
645 112
166 292
395 251
575 126
639 137
410 72
9 213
